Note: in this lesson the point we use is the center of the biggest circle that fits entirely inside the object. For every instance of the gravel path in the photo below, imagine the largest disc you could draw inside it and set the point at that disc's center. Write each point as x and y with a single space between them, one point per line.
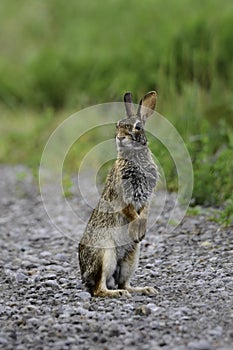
43 305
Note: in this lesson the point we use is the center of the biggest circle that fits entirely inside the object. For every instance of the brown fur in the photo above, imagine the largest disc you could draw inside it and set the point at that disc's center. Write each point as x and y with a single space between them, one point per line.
109 249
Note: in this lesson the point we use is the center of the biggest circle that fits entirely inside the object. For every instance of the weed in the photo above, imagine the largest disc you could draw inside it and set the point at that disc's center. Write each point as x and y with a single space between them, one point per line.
224 216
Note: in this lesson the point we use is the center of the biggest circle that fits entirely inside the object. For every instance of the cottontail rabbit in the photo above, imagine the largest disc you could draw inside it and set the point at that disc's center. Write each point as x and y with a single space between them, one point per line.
109 249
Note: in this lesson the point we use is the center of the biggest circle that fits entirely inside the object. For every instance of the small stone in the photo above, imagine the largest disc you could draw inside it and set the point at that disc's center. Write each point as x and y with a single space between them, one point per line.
63 280
45 254
21 277
162 343
114 330
206 244
114 333
83 296
103 340
3 341
2 309
199 345
216 331
81 311
50 276
51 283
33 321
154 308
36 278
129 343
139 298
143 310
61 257
95 337
155 325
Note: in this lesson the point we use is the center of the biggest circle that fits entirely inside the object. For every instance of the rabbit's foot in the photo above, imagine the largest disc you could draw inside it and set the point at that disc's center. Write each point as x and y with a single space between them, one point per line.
143 290
112 293
137 229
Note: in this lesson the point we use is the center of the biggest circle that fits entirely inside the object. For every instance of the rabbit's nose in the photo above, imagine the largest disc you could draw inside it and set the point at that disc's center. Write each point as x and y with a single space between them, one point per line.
121 138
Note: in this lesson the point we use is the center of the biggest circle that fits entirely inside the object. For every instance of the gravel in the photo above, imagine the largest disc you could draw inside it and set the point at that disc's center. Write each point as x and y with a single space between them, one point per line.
44 306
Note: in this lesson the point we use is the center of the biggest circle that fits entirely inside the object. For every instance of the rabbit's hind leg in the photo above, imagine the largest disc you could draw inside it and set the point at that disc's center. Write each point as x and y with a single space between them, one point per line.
109 264
128 266
142 290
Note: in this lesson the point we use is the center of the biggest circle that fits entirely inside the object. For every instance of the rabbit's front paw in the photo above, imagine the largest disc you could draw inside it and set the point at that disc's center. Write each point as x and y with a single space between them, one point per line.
137 230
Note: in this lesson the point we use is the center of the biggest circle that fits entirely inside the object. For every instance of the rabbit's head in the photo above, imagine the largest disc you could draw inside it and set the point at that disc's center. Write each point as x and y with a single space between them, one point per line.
130 133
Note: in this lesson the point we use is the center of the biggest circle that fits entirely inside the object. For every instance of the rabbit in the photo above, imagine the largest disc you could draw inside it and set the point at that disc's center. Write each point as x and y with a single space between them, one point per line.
109 248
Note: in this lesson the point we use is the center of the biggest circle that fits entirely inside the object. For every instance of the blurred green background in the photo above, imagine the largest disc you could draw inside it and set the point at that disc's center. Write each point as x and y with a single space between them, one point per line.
58 57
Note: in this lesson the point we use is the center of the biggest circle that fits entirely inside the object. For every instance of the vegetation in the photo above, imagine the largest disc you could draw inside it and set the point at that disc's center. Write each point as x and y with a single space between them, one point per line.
58 57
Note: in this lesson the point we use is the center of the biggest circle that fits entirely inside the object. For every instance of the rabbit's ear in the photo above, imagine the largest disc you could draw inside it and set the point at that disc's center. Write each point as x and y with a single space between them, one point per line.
129 106
147 106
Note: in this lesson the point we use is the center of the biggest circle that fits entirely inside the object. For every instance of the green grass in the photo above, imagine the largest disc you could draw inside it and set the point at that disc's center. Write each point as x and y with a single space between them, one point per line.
58 57
54 53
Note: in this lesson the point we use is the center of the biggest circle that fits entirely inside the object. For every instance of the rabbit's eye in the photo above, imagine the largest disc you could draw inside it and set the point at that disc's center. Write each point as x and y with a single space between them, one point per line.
138 127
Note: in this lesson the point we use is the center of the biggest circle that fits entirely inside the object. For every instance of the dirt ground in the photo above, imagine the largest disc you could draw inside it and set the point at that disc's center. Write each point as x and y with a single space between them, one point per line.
43 304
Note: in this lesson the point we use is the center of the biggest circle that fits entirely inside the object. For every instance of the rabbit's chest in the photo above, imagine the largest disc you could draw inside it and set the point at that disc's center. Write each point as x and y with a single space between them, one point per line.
138 185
